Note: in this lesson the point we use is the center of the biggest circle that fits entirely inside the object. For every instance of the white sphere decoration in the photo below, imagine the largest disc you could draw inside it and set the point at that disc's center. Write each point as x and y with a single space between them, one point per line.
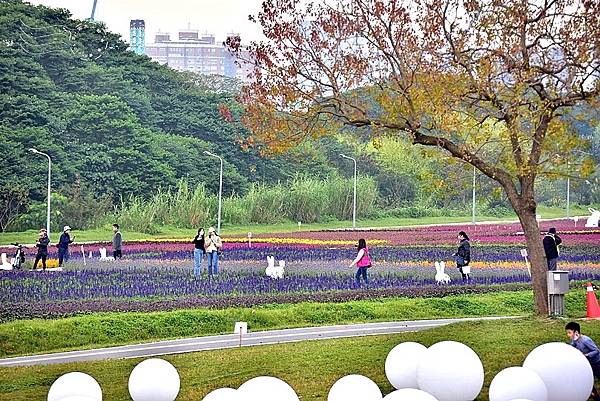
75 384
266 388
409 394
401 364
224 394
78 398
451 371
515 382
565 371
355 388
154 380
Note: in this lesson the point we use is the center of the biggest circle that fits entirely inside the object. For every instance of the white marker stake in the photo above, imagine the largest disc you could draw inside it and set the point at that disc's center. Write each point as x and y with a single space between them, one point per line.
249 240
524 255
83 253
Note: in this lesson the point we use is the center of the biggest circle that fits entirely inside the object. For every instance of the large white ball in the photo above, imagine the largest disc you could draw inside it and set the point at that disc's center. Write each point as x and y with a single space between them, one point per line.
224 394
401 364
154 380
355 388
266 388
565 371
409 394
78 398
450 371
517 382
75 384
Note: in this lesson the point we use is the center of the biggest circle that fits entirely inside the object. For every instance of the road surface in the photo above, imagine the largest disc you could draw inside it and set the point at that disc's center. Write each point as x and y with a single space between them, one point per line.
196 344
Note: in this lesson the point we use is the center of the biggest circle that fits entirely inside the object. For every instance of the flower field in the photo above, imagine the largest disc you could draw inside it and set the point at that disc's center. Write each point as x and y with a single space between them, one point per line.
156 275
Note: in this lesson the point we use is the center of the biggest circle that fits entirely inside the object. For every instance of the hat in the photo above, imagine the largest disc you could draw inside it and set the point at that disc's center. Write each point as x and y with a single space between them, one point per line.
552 230
211 230
67 228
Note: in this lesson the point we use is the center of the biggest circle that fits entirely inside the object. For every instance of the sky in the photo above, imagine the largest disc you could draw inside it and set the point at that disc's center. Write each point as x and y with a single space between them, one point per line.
218 17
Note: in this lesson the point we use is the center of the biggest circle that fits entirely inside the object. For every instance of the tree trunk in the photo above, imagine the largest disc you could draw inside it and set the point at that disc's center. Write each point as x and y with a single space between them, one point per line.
537 257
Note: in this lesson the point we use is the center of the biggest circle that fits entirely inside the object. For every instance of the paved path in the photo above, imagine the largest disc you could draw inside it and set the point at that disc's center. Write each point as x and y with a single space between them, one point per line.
233 341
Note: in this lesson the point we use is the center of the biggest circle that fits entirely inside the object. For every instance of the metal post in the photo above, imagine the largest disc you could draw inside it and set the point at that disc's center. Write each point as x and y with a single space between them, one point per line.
32 150
354 192
220 190
474 173
568 191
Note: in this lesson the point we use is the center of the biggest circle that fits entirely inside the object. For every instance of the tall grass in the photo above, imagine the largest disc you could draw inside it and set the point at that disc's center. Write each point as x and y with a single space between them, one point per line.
303 199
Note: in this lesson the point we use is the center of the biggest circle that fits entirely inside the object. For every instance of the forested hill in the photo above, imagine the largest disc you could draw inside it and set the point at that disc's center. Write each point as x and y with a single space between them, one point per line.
113 121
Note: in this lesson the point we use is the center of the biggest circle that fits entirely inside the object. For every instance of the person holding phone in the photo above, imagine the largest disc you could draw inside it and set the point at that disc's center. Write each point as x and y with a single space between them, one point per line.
42 249
588 348
63 245
199 251
213 245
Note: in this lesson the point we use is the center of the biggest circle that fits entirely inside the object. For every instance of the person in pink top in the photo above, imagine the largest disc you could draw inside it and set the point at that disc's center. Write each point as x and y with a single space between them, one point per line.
362 261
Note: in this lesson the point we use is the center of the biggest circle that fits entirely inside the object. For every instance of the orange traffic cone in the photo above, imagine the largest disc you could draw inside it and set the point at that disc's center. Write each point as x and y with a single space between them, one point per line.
593 309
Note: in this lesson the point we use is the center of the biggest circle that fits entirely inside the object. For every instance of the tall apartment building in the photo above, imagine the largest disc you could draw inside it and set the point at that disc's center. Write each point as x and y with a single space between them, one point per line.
137 36
196 52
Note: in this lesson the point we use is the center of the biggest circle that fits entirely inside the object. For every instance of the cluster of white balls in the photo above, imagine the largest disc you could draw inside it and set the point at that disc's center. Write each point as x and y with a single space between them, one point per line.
446 371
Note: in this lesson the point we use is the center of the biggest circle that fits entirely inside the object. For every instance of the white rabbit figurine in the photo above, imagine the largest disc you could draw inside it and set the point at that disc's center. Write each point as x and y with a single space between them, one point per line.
440 276
103 256
270 270
279 270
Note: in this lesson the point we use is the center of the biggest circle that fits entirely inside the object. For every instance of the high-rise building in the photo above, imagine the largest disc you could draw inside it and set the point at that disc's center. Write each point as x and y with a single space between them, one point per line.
196 52
137 36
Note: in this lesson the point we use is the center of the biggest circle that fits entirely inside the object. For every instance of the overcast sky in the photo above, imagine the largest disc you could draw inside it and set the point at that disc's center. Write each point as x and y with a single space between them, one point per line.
219 17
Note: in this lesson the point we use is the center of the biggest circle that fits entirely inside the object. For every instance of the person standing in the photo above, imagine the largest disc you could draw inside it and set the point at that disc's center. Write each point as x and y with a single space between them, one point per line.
117 242
199 251
463 256
63 245
362 262
588 348
213 245
551 242
42 249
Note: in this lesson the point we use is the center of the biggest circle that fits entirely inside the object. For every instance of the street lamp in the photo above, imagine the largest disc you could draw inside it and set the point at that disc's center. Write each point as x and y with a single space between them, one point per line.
354 195
569 181
474 175
206 152
32 150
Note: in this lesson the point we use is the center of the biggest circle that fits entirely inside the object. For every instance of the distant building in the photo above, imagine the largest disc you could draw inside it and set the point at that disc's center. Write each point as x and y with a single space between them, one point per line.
196 52
137 36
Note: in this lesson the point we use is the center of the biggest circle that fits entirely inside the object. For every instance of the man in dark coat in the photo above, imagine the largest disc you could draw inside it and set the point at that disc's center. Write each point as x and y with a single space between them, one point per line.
551 243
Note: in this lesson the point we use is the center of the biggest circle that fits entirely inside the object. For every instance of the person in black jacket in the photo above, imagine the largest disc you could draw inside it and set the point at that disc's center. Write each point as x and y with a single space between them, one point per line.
199 251
463 256
63 245
551 242
42 249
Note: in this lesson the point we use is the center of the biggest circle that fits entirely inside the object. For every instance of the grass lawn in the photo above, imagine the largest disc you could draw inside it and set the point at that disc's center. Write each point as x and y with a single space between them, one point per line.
105 233
311 367
104 329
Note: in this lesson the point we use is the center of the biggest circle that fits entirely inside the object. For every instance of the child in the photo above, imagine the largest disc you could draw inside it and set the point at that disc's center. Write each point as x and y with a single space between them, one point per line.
587 346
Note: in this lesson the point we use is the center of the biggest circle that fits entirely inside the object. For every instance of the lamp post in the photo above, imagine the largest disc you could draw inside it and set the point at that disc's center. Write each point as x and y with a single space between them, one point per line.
32 150
206 152
474 176
354 195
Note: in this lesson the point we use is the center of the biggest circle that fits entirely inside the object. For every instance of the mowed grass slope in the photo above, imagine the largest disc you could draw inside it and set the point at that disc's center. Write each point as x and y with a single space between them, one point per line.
310 367
105 329
166 232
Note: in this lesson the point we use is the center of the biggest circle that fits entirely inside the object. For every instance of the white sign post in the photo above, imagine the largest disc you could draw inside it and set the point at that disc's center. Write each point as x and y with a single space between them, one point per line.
249 240
299 225
240 328
83 253
524 255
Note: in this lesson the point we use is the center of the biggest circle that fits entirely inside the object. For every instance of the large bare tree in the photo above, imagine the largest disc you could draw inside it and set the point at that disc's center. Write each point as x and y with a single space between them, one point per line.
483 81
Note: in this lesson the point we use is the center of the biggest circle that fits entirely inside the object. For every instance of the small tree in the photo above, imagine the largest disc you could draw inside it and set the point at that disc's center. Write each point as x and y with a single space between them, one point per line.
483 81
13 202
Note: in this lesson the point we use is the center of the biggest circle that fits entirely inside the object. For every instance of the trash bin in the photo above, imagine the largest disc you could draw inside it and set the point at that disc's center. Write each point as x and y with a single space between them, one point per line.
558 286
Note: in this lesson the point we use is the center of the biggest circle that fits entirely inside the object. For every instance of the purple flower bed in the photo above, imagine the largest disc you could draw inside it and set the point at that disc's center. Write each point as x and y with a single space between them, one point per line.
52 310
